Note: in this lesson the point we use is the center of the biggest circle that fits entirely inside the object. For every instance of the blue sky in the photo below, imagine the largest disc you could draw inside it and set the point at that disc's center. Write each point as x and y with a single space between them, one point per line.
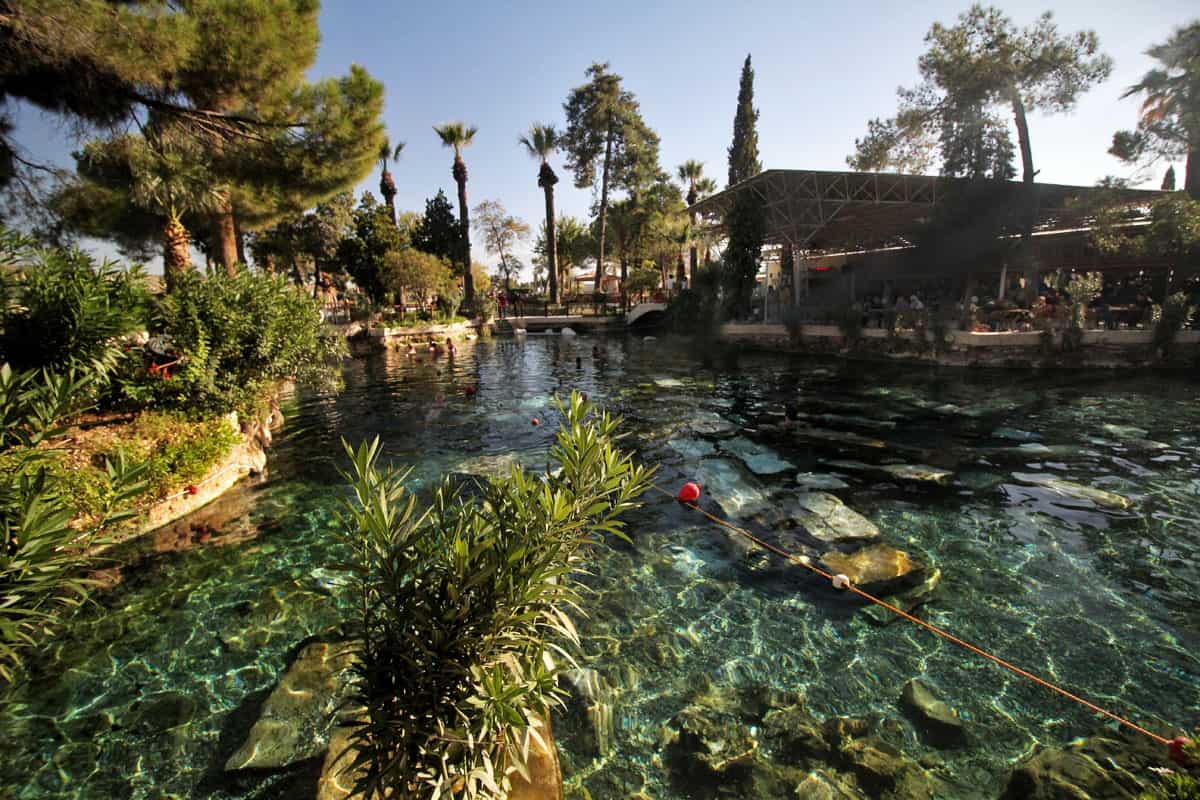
820 74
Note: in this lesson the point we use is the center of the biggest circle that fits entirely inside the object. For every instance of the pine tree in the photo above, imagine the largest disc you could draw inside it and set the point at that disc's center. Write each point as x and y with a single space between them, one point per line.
743 152
438 232
605 129
1168 182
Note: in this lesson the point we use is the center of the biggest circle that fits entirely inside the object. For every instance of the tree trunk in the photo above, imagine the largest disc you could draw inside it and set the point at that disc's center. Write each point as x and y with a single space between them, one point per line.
176 258
604 199
547 179
1191 176
240 238
1029 205
464 223
226 238
316 278
624 275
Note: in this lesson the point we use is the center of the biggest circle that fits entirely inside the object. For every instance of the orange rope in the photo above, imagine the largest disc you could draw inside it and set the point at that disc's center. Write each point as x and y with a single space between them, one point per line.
807 564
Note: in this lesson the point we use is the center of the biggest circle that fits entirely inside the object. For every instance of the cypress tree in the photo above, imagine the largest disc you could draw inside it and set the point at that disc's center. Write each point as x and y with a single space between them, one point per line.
744 225
743 152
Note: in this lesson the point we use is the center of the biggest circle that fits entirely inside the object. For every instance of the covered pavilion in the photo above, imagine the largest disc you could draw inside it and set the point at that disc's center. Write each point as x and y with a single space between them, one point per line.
823 224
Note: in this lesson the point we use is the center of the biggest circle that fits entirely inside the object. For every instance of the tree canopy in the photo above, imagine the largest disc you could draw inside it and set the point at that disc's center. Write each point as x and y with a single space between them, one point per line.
606 138
971 73
1169 124
743 150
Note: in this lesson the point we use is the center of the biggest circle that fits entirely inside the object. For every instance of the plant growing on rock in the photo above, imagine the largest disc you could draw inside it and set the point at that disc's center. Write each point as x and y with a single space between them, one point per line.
462 608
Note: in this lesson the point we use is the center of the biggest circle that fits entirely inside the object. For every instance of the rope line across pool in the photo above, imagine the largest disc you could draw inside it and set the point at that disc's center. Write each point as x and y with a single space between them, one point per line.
1175 746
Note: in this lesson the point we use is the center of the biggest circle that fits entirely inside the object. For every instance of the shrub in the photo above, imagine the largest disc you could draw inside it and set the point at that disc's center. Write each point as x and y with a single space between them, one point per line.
850 323
463 609
176 451
238 336
1174 314
41 553
65 311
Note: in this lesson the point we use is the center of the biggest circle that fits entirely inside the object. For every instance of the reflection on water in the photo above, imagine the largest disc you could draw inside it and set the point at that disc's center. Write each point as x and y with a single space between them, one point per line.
155 685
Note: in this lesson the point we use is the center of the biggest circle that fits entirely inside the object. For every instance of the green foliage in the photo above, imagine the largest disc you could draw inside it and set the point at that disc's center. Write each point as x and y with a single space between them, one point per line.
1083 288
41 552
746 229
1169 123
238 336
1173 785
642 280
175 451
1175 313
500 231
463 608
438 232
973 74
67 312
419 274
698 309
743 151
365 254
33 403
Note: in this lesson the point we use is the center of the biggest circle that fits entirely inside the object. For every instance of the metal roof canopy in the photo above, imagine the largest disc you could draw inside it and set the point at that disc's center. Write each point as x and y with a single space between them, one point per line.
868 210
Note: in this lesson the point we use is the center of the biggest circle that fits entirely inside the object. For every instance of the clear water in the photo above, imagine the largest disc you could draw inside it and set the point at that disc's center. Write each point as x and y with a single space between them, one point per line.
151 688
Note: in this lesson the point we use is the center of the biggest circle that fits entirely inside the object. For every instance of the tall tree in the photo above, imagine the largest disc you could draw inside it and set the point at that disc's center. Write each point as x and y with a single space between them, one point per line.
1168 181
605 129
1169 125
456 135
366 254
387 186
324 229
984 64
540 143
438 232
743 151
140 189
96 63
744 227
500 231
691 172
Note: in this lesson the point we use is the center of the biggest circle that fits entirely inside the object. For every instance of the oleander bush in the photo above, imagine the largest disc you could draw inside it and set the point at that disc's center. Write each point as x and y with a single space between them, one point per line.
464 607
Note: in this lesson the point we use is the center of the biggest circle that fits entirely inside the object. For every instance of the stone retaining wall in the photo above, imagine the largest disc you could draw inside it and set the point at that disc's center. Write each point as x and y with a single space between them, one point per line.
1019 349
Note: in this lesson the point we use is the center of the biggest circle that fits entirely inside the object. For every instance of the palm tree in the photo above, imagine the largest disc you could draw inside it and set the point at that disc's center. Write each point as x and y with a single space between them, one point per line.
457 135
387 187
540 143
1170 115
691 172
704 187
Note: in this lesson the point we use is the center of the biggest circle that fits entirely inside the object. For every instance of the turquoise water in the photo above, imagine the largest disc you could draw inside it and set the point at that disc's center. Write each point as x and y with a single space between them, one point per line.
151 688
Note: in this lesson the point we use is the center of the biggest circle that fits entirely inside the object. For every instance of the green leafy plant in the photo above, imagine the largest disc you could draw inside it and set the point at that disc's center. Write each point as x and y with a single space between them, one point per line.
1174 314
236 337
176 451
67 311
41 552
1173 785
463 608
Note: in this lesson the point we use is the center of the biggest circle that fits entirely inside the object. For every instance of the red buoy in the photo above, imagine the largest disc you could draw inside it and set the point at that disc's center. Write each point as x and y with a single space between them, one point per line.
470 391
535 422
688 493
193 489
1175 748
